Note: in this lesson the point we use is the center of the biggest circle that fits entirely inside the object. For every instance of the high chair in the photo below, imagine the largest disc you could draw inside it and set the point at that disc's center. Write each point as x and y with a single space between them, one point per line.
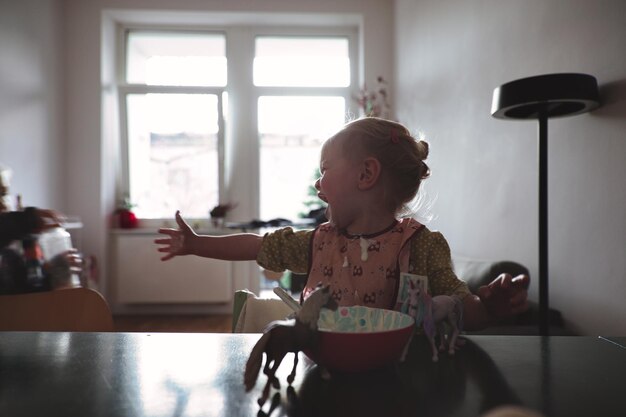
251 313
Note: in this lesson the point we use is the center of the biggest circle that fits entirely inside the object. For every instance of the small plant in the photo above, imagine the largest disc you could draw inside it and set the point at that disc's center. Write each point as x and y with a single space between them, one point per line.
218 213
126 204
313 204
221 210
374 103
126 218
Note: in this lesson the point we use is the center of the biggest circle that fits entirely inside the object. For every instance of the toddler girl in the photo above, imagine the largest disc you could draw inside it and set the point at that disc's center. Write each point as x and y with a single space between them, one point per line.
368 251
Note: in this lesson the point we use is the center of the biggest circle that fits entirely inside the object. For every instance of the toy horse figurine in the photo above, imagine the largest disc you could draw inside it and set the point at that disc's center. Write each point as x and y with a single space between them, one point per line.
443 310
433 314
284 336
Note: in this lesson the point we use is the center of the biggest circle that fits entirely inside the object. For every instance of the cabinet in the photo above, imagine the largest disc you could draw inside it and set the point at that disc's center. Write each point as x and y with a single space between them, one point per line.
140 277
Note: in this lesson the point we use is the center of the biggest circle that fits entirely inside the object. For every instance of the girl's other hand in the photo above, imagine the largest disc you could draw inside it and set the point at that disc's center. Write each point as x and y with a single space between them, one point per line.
178 242
61 267
74 259
505 296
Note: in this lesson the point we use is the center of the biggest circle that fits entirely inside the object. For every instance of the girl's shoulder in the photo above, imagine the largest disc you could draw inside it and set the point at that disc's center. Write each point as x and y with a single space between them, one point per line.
287 236
428 237
288 231
326 228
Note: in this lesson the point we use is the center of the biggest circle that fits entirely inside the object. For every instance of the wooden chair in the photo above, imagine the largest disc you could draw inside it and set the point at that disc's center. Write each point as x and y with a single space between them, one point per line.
69 310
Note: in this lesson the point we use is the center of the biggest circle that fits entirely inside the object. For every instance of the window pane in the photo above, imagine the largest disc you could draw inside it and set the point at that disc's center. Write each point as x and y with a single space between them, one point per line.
301 61
170 58
291 131
173 154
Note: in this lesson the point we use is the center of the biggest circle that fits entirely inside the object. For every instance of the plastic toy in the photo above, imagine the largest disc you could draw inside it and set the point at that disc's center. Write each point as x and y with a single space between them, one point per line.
441 315
284 336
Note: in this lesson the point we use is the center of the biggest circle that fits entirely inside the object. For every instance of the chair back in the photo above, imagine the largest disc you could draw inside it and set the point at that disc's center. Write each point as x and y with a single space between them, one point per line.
64 310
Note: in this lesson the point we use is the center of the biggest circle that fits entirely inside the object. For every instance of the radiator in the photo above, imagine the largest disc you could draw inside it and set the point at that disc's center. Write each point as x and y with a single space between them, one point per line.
140 277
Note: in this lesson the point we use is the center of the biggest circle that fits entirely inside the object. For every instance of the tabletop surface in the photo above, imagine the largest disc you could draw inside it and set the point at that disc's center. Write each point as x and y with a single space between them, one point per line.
161 374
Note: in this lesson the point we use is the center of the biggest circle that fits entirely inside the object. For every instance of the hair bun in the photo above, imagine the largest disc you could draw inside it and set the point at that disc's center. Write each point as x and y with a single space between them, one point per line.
422 147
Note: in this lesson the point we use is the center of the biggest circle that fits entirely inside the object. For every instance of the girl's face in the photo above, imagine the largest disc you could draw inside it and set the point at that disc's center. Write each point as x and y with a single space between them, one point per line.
338 183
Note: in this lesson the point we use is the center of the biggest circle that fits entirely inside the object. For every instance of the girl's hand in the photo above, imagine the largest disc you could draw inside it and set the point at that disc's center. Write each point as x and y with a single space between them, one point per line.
74 259
505 296
47 219
63 265
179 241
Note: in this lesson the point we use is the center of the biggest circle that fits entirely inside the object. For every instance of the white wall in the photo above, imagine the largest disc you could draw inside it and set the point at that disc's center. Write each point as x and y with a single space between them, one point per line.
450 57
31 138
90 180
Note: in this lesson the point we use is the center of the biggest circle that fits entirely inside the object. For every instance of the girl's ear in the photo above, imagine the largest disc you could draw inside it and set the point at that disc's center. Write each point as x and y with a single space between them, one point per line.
370 172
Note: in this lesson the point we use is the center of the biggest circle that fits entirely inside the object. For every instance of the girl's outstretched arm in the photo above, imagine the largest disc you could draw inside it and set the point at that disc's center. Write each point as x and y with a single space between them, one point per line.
184 241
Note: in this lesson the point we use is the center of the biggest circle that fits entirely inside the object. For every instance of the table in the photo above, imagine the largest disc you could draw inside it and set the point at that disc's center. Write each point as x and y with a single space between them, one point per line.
160 374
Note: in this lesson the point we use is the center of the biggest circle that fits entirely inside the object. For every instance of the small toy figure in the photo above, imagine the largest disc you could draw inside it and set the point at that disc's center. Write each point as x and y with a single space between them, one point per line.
284 336
442 315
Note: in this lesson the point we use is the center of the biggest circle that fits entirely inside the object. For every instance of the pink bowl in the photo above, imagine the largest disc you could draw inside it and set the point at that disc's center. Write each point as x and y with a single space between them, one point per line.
361 348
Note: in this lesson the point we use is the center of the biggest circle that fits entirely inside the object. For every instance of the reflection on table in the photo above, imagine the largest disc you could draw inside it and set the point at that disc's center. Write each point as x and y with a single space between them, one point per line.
124 374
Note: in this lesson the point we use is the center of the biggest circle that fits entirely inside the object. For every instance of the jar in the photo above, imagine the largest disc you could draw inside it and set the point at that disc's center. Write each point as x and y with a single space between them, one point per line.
54 242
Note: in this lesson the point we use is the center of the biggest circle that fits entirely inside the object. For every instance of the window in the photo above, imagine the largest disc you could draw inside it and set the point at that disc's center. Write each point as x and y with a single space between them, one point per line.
173 98
172 102
302 61
175 58
173 153
292 126
291 131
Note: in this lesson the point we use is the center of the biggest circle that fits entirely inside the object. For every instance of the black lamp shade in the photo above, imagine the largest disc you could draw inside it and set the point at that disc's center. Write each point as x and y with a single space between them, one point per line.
550 95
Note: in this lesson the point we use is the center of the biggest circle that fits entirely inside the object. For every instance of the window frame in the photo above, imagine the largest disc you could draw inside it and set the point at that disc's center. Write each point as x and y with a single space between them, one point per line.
238 137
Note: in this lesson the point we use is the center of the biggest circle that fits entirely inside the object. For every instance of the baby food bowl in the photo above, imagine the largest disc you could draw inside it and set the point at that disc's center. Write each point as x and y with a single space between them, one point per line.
358 338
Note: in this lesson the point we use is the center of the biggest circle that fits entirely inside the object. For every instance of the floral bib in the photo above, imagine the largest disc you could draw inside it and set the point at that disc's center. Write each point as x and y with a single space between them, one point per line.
361 270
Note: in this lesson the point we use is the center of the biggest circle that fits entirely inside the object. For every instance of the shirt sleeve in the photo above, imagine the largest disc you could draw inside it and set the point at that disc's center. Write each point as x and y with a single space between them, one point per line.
286 249
431 253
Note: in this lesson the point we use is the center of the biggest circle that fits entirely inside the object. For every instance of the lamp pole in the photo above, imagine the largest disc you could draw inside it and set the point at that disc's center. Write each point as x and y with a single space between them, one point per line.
543 224
541 97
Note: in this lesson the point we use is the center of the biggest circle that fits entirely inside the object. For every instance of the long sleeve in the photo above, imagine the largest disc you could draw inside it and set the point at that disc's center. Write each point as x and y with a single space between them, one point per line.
286 249
431 257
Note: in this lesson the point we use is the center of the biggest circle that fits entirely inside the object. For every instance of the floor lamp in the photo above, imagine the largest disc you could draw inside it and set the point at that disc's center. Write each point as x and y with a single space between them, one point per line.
540 98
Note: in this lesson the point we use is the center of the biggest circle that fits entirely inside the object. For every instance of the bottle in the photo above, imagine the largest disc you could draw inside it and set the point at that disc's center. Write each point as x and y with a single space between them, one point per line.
33 257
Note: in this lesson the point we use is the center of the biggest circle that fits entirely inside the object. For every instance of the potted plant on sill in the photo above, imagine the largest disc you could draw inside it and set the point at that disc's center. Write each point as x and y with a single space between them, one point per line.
218 213
124 215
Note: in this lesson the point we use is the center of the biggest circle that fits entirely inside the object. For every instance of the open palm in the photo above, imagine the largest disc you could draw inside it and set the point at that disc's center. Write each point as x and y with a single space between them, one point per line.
179 240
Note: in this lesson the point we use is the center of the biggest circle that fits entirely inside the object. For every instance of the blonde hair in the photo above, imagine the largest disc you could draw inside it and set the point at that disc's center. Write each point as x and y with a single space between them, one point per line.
400 154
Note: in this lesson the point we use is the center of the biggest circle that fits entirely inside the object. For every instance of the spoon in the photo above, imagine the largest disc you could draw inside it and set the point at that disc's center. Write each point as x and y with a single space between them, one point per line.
287 298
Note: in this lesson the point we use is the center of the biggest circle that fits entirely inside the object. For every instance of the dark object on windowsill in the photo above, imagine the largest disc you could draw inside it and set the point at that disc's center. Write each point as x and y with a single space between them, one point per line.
222 209
318 214
277 222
